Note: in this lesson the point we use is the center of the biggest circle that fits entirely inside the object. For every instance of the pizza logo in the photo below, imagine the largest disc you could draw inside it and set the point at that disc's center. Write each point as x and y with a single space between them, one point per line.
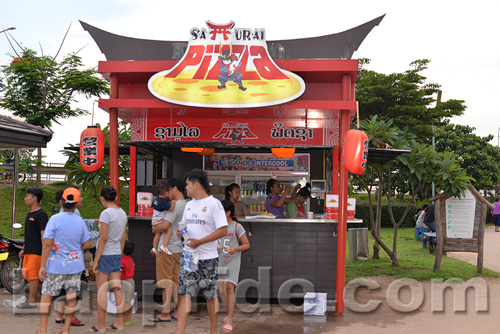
235 131
226 67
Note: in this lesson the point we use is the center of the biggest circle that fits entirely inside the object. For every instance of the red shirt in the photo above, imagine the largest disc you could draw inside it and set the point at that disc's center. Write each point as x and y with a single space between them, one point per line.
127 268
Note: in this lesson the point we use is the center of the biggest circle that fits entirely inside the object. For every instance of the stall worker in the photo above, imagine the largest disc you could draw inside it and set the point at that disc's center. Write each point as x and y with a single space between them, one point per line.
232 193
276 197
296 207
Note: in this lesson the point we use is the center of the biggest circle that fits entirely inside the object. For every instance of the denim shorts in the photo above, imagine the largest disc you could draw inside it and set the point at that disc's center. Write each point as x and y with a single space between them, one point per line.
110 264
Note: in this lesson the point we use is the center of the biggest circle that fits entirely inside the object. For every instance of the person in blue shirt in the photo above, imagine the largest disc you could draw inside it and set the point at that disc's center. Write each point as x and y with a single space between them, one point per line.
65 237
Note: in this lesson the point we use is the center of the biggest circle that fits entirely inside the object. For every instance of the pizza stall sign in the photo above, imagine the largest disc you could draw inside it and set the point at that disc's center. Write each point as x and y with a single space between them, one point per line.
226 67
92 149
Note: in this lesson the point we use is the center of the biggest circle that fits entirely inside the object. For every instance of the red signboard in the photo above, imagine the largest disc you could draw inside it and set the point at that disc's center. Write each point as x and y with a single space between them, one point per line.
226 67
254 132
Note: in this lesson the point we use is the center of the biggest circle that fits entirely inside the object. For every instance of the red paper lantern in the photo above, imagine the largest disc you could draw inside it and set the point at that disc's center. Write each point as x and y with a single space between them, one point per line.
92 149
355 151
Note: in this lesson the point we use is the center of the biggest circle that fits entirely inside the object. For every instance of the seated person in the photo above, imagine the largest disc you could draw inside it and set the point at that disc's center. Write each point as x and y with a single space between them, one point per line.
420 217
429 220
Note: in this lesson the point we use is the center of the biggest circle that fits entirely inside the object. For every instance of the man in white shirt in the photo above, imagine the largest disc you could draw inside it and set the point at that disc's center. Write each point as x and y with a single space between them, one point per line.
206 222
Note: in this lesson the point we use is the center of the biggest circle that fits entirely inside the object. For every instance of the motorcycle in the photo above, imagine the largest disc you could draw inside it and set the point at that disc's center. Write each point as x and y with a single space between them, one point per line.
11 276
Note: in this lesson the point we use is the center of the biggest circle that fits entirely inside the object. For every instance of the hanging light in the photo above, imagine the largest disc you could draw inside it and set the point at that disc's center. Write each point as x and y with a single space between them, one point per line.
192 149
283 152
207 151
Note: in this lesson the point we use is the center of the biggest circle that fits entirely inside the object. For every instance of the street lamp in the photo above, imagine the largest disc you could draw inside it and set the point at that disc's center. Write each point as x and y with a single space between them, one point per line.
10 28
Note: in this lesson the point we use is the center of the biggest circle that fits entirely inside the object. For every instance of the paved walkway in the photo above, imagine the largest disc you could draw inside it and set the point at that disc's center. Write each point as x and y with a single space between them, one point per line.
491 256
480 315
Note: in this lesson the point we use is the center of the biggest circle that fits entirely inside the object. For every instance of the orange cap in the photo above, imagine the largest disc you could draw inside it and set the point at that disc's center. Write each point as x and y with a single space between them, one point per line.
71 195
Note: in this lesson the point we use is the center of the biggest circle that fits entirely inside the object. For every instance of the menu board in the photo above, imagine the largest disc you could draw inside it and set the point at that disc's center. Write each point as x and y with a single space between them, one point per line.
256 162
460 216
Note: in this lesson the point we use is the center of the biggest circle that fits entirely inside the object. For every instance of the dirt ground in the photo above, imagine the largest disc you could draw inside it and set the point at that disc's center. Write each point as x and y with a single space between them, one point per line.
410 308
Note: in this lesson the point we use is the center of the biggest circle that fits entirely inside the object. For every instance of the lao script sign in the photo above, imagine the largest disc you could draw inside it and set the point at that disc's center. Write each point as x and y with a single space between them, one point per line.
460 216
226 67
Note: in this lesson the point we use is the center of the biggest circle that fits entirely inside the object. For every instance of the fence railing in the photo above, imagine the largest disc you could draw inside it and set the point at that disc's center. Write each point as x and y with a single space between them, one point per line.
51 172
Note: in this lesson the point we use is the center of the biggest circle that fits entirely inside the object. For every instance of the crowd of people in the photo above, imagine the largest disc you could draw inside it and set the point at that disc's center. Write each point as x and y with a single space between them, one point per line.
197 246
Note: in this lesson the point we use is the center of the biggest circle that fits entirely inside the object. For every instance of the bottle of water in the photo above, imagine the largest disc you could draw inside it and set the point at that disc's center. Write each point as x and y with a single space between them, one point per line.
184 232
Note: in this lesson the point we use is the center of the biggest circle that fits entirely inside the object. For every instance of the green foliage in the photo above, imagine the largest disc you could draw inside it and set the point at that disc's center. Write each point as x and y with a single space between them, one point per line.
95 181
41 89
398 209
405 98
411 172
416 262
91 206
475 154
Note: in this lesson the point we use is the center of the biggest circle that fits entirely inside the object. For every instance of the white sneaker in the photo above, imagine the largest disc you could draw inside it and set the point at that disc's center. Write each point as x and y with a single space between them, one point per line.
165 250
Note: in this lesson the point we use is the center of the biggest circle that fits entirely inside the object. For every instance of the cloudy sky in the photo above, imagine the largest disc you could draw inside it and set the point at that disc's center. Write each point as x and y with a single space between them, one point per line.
459 37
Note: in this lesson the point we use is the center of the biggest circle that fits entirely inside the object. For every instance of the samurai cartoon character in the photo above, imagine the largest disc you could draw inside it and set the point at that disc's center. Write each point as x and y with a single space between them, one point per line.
236 134
228 66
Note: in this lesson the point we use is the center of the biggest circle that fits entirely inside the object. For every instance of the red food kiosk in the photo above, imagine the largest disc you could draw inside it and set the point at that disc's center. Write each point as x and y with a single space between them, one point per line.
229 90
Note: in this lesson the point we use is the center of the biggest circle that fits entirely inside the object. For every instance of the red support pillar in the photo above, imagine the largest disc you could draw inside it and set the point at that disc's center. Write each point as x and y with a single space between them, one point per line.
113 138
343 194
132 181
335 170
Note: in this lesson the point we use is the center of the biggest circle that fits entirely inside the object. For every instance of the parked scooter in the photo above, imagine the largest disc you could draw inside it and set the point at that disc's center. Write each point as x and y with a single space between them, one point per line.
11 275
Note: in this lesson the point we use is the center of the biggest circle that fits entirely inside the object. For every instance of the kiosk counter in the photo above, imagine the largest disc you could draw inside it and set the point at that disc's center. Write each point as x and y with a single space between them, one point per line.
293 255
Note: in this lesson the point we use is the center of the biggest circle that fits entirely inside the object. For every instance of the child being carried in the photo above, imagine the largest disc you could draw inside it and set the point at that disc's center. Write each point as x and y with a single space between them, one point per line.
161 205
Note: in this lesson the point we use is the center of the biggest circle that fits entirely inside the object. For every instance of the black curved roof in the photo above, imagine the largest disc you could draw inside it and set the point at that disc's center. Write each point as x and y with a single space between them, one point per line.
335 46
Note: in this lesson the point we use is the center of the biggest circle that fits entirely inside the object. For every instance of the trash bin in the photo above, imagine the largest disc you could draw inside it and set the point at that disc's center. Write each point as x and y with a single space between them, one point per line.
358 243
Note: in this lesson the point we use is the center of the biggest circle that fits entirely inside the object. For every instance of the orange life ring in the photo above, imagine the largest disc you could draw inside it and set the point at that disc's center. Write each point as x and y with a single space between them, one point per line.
355 151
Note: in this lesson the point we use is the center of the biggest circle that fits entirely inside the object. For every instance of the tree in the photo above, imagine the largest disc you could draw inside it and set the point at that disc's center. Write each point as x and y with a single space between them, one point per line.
421 166
475 154
95 181
42 89
405 98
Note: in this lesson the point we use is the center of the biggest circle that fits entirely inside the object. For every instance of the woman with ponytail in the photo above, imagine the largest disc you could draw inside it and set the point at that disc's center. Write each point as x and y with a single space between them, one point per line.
230 248
232 193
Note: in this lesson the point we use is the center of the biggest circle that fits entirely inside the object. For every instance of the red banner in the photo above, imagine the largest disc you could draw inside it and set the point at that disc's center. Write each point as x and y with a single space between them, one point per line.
253 132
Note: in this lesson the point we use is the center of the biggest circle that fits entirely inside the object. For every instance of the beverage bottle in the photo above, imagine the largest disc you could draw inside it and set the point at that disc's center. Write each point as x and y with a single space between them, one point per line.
184 232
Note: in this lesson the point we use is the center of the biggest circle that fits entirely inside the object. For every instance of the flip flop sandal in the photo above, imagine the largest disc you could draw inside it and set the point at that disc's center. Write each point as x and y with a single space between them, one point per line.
158 319
94 329
26 306
113 328
76 322
227 328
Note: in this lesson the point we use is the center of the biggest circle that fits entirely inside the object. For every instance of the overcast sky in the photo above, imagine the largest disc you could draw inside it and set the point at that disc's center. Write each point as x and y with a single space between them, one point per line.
459 37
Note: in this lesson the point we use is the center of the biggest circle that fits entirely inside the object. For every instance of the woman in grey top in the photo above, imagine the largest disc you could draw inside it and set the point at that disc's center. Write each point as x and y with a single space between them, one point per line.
107 261
229 261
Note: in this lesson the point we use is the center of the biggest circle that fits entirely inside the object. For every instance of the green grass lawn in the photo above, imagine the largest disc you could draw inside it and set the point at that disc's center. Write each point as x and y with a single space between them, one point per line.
91 206
415 261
